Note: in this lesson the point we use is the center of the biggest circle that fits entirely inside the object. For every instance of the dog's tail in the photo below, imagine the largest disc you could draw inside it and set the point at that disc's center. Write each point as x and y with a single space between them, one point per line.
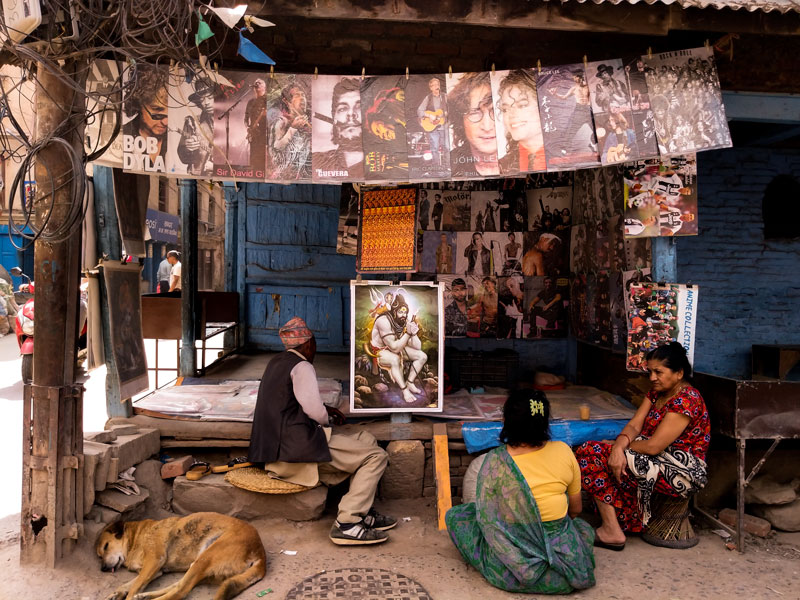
234 585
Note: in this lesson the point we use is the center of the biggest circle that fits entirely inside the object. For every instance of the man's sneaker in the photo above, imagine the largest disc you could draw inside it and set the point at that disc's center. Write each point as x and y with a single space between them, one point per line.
375 520
356 534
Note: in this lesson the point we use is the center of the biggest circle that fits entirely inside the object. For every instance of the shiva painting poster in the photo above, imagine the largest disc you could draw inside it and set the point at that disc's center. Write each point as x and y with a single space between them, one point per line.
396 347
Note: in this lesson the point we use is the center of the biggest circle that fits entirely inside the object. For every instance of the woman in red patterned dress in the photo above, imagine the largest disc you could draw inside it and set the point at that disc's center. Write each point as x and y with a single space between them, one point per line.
661 449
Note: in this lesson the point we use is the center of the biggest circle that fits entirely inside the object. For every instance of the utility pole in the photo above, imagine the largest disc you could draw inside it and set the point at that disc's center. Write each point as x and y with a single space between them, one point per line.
52 488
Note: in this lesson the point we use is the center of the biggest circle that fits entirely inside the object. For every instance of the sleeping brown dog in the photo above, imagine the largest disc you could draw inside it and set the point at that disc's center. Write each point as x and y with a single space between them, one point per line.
208 546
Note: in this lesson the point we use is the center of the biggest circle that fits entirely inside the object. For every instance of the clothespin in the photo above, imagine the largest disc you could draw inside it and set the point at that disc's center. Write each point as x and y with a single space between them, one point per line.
539 65
707 44
585 62
271 71
450 71
649 52
316 72
492 68
363 71
406 73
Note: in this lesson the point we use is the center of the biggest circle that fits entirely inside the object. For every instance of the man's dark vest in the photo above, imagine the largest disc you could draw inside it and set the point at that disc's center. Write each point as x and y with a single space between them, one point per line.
281 430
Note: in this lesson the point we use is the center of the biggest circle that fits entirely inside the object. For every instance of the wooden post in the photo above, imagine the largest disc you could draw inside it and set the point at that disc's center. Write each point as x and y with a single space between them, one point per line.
231 338
741 450
188 192
53 420
441 467
109 242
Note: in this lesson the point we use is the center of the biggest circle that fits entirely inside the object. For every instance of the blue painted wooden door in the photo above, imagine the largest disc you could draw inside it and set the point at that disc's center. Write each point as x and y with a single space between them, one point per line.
289 266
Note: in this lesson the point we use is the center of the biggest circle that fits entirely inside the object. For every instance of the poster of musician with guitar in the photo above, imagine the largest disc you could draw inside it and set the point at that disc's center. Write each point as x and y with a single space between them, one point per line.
426 127
289 127
240 131
383 123
338 154
191 140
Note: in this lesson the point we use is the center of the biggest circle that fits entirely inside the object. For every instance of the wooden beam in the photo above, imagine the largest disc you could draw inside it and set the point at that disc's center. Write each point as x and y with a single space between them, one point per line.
762 108
188 200
441 466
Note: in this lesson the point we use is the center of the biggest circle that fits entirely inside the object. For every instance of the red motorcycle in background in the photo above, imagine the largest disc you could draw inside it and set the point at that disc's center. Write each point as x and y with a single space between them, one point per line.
23 325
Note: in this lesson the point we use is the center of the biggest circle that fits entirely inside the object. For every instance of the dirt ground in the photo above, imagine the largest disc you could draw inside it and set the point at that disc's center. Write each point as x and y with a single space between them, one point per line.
769 569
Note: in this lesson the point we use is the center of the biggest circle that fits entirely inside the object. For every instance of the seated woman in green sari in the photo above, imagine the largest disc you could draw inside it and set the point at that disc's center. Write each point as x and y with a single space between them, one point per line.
521 532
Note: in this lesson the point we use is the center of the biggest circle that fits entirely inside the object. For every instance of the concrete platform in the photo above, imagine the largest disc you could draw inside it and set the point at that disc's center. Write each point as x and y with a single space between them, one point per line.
213 493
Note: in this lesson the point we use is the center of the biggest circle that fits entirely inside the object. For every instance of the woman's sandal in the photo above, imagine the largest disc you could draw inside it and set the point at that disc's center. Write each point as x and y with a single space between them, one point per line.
198 470
607 545
237 463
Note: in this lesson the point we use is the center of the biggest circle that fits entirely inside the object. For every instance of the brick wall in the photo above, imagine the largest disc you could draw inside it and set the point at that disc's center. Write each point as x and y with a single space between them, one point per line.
749 287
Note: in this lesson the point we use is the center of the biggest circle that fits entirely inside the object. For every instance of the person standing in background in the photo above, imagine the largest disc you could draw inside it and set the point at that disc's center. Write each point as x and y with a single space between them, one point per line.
164 269
175 272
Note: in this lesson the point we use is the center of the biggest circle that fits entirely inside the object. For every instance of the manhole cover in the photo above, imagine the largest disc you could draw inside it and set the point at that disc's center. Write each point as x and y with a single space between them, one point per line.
358 583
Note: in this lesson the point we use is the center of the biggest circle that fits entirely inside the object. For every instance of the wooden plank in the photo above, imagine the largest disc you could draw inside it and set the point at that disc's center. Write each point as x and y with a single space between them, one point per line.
441 467
173 443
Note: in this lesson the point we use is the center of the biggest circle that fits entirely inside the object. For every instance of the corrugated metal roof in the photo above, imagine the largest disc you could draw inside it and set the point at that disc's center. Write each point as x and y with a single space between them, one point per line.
782 6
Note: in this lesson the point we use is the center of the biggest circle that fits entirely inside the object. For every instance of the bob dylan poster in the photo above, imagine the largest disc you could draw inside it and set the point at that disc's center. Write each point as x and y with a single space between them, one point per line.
338 154
102 97
191 136
125 318
383 121
566 114
387 235
146 119
660 314
426 127
661 197
289 128
240 127
687 101
613 114
397 338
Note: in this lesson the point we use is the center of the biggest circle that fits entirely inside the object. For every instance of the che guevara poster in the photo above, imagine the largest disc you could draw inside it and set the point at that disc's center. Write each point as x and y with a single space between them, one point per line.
396 347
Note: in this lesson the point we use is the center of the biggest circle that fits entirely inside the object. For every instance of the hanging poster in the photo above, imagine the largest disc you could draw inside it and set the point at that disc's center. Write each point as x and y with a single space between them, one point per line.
602 310
687 101
631 278
145 123
546 306
125 326
616 243
545 253
438 252
191 136
240 127
103 85
338 154
482 311
457 298
473 137
619 328
642 111
387 236
660 197
579 308
485 211
660 314
396 349
519 129
566 114
511 253
347 234
513 205
383 123
581 252
613 113
474 254
549 209
510 307
451 210
289 128
426 127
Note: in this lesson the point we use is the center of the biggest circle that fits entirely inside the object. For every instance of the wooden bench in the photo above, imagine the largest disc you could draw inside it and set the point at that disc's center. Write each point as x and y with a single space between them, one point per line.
217 313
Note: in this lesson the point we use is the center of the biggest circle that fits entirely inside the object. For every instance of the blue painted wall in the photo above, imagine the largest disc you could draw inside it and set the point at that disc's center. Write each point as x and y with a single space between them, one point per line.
749 287
10 257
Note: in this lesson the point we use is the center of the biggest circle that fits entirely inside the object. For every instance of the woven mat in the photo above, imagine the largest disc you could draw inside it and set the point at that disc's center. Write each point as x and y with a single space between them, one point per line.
358 583
256 479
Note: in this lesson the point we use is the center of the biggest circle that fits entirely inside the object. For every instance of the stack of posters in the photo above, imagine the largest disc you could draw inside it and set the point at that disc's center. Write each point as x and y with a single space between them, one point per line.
660 314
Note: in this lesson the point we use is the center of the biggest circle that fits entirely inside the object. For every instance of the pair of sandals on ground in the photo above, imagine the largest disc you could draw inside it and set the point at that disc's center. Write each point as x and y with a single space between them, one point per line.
370 530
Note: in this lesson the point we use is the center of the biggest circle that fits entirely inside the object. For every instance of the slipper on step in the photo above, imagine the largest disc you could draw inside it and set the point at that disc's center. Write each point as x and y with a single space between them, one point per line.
608 546
236 463
198 470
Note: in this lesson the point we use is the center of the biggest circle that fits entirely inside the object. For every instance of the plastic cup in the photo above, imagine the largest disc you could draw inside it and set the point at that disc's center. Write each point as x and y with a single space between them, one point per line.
585 412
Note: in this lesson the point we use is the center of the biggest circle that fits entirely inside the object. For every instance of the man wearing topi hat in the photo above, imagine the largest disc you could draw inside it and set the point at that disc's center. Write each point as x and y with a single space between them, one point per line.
291 437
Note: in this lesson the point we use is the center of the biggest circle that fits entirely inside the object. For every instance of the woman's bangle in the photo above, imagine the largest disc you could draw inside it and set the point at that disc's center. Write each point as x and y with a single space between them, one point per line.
625 435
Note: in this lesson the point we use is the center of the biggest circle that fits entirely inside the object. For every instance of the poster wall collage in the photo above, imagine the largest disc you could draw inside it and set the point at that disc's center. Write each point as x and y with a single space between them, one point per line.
297 128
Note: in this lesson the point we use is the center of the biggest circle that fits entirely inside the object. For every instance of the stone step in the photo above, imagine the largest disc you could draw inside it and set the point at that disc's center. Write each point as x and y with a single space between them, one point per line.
132 449
212 493
120 502
101 454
